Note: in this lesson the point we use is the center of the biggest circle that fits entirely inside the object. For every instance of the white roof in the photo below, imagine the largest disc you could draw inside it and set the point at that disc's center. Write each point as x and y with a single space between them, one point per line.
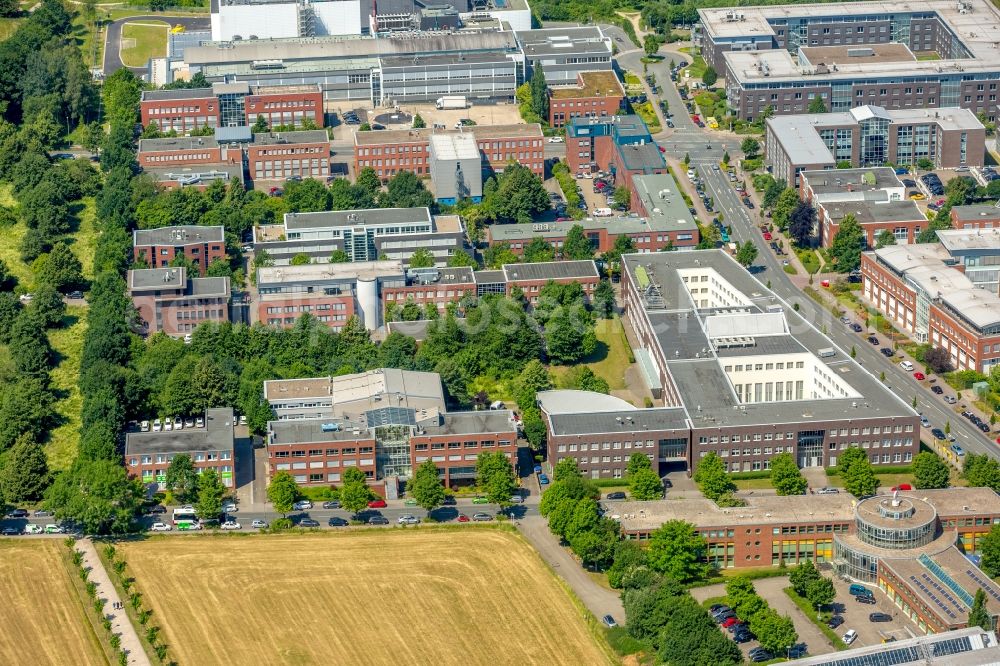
868 111
969 239
571 401
454 146
309 272
750 324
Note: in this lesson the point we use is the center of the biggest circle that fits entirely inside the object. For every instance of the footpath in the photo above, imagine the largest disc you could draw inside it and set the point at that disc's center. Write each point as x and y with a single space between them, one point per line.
120 623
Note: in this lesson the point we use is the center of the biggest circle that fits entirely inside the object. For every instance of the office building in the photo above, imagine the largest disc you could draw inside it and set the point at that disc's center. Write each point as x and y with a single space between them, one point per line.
565 53
148 454
892 54
963 647
752 376
232 105
330 293
650 234
365 235
170 301
594 94
456 168
384 422
870 136
184 151
658 199
282 155
620 145
975 252
390 151
157 248
976 216
199 177
922 290
875 197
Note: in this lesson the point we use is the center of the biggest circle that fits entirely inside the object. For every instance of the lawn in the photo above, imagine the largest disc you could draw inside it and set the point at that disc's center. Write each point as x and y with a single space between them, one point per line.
42 614
611 358
697 65
8 26
142 41
809 259
68 345
648 115
413 596
10 239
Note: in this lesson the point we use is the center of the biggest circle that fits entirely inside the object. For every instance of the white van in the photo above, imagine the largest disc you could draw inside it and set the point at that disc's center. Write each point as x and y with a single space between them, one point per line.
603 212
906 365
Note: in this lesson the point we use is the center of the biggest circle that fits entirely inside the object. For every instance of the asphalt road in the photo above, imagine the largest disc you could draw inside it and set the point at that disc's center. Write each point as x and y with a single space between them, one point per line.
113 37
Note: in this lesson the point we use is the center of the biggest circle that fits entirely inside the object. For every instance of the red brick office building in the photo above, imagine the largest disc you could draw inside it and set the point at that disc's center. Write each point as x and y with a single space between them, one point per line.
231 104
184 151
390 151
158 247
277 156
597 93
169 301
148 454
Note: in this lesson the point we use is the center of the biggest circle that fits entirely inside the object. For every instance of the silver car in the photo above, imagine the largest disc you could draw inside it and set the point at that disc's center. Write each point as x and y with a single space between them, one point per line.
408 519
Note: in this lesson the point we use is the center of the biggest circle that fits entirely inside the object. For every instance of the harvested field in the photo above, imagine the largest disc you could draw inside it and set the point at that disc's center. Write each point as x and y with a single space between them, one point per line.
414 596
42 615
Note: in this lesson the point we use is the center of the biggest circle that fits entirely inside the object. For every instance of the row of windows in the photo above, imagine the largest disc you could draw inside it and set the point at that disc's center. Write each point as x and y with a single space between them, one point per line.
289 321
329 477
179 157
322 307
164 110
198 456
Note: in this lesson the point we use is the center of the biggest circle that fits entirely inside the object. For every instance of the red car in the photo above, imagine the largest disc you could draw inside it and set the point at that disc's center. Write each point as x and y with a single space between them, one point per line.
767 235
377 504
902 486
462 518
919 376
730 622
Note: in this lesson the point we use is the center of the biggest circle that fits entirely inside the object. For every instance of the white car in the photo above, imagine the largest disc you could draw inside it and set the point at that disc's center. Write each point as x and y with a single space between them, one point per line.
243 419
230 507
168 424
187 339
555 139
157 425
52 528
408 519
258 524
178 423
187 508
160 527
691 173
850 636
33 529
302 505
144 426
189 422
199 422
231 525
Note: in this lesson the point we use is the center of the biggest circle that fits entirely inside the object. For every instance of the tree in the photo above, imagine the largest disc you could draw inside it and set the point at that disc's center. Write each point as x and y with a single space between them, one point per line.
405 190
857 473
677 549
628 557
426 487
817 105
847 243
885 238
651 44
747 253
422 258
576 245
785 475
301 259
802 576
60 268
979 616
538 250
981 471
338 256
710 76
182 478
776 633
603 300
801 222
711 477
636 462
929 471
418 122
97 494
495 475
566 338
282 492
355 494
210 494
462 258
691 638
989 548
821 592
781 212
47 305
645 485
539 92
260 125
937 359
24 472
750 147
648 609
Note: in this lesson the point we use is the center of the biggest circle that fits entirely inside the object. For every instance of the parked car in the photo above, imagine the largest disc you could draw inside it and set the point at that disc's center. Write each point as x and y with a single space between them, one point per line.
730 621
230 507
481 517
885 351
42 513
859 590
957 450
308 522
850 636
377 504
715 608
938 433
378 520
144 426
856 327
879 617
10 531
743 635
761 656
950 399
37 529
919 376
835 621
332 504
862 599
302 505
337 521
160 527
408 519
873 340
52 528
609 622
231 525
937 390
258 524
828 491
462 518
618 495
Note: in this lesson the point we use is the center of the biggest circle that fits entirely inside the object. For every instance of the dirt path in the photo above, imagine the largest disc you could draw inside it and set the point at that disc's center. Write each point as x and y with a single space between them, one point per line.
120 623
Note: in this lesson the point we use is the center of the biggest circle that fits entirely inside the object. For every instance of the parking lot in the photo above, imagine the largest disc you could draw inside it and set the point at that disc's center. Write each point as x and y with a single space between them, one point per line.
856 614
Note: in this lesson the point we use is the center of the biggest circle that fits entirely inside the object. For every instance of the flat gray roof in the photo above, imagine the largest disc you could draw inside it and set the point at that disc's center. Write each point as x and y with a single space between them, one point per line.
391 137
500 233
343 218
199 174
177 93
153 279
178 235
551 270
694 365
664 204
474 423
976 212
177 143
217 435
306 136
960 240
839 181
872 212
554 42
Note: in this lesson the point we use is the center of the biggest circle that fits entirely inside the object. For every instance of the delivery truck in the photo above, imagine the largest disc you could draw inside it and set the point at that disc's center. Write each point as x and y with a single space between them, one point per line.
452 102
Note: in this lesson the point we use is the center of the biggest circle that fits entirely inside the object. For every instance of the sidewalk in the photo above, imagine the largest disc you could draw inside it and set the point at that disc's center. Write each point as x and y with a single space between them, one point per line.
120 623
599 600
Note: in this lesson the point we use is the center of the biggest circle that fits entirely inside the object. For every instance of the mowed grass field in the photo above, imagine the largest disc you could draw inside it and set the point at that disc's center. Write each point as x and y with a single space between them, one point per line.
41 613
416 596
